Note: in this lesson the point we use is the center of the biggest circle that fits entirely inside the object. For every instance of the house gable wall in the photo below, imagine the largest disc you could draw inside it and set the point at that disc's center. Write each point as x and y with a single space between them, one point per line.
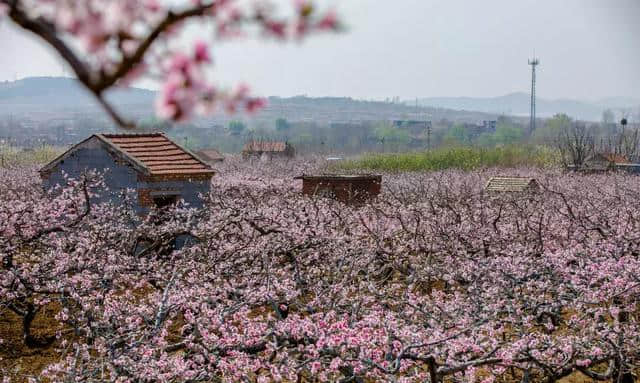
93 155
188 188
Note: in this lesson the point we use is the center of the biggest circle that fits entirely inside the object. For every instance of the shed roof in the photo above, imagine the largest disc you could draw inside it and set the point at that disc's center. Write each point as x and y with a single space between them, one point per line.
511 184
341 177
210 155
265 146
150 153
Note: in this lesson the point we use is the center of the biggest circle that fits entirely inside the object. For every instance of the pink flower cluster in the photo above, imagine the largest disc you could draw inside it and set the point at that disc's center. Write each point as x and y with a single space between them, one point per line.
115 42
187 92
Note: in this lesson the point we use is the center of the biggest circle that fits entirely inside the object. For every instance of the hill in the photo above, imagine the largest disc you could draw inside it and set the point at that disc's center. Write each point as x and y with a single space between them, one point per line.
64 92
44 98
518 104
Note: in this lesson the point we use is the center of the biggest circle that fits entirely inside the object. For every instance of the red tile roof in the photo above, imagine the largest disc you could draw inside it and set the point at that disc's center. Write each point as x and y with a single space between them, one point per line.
157 153
616 158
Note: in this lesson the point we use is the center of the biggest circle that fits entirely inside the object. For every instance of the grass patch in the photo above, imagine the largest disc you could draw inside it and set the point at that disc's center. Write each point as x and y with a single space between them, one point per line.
466 158
11 156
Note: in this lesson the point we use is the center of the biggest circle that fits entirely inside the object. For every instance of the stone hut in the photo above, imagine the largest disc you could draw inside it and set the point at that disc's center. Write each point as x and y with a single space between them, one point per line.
159 170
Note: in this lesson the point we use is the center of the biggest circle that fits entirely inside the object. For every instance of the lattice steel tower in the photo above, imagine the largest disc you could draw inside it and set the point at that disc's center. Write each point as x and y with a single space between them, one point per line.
534 62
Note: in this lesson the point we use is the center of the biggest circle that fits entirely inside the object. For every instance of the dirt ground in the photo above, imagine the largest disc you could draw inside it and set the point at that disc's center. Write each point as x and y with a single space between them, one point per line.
18 360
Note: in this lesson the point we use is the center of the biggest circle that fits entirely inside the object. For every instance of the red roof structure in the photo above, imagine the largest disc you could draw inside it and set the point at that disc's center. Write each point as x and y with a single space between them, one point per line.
153 154
616 158
157 153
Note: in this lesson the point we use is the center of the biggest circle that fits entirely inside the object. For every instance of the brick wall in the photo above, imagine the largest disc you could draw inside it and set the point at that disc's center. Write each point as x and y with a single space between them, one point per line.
186 186
344 190
144 197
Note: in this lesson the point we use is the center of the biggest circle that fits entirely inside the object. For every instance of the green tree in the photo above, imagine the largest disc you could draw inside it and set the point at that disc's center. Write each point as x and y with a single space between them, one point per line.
507 133
486 140
457 135
282 125
553 128
608 117
236 127
386 134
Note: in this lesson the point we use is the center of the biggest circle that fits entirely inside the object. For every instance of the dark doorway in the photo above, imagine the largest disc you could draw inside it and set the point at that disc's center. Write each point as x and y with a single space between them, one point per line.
165 200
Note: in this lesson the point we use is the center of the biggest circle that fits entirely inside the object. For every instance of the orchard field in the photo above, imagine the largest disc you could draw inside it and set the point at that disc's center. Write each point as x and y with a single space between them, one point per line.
435 281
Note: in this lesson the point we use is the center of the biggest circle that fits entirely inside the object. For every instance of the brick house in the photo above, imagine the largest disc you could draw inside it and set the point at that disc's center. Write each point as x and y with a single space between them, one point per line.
347 188
160 171
267 149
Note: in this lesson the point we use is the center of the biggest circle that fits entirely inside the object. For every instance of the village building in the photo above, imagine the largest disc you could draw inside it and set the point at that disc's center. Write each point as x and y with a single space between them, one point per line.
210 156
160 171
267 150
476 130
602 162
347 188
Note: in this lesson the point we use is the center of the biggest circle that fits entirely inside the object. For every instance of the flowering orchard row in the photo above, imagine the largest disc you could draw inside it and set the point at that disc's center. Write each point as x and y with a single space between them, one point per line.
434 280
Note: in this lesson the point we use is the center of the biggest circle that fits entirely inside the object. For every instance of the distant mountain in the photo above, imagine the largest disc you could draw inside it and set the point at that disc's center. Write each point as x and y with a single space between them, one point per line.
64 92
50 94
618 102
43 99
518 104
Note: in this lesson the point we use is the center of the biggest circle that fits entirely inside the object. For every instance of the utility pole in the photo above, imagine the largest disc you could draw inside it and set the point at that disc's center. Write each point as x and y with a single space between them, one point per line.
534 62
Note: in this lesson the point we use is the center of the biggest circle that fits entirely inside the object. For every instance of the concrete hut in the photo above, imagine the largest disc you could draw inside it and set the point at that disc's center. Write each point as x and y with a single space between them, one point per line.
160 171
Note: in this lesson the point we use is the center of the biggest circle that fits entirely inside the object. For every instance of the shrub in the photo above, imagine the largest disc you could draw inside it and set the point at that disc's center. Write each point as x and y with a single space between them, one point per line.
11 156
466 158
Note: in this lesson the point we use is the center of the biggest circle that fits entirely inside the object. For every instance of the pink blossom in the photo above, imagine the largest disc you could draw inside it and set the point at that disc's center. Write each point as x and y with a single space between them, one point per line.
201 52
328 22
583 362
4 10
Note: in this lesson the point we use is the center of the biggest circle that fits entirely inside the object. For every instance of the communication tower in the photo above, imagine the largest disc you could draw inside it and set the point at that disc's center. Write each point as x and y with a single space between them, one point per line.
533 62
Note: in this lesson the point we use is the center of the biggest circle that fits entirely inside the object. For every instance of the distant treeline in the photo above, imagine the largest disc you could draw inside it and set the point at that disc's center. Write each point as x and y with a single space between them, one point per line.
402 136
346 138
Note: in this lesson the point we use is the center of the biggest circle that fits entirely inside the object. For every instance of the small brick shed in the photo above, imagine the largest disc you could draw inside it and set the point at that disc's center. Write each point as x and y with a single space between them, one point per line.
158 169
346 188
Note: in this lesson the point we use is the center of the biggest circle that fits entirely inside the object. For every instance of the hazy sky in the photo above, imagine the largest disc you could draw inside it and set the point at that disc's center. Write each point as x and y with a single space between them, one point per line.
425 48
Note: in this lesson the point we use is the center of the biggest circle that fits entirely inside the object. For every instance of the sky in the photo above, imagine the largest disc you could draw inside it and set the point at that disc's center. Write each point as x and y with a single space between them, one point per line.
588 49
